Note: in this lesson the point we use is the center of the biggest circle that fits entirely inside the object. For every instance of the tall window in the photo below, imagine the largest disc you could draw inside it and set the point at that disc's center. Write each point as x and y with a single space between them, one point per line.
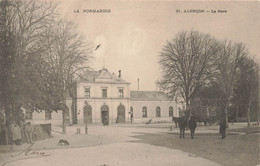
47 115
158 112
121 93
87 92
170 112
28 114
144 112
104 93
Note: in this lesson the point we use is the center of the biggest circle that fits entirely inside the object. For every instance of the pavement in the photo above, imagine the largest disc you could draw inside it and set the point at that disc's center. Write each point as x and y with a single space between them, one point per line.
103 145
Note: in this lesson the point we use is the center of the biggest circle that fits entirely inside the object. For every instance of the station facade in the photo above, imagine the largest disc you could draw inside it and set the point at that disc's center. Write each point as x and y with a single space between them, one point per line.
103 97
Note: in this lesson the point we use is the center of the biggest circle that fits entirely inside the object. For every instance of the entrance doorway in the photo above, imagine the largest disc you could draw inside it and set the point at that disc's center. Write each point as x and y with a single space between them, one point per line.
120 114
87 114
105 115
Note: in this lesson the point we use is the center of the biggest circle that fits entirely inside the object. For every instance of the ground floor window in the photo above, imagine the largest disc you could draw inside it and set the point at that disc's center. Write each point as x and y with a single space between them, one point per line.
170 112
144 112
158 112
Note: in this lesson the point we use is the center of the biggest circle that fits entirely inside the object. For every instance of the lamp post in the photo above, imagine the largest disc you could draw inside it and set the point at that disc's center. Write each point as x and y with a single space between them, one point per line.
85 119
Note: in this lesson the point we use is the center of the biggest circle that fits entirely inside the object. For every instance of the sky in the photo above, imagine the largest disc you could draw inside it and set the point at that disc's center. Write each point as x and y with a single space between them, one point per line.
134 33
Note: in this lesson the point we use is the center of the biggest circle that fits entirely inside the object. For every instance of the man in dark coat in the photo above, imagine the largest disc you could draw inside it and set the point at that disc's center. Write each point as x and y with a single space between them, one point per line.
182 125
223 126
192 126
28 132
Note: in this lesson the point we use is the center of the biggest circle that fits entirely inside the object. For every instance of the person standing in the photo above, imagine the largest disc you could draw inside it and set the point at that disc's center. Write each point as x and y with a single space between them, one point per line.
223 126
182 125
192 125
16 134
28 132
132 117
106 120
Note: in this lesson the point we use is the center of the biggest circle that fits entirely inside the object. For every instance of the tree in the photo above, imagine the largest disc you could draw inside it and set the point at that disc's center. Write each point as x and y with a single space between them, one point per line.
247 84
21 25
227 60
67 55
40 55
7 45
187 64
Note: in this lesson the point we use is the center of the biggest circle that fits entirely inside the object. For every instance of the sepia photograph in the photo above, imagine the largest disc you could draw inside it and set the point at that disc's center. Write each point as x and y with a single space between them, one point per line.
129 83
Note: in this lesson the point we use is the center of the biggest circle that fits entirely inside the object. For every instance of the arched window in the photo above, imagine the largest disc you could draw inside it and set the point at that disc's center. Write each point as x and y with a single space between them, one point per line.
170 112
158 112
144 112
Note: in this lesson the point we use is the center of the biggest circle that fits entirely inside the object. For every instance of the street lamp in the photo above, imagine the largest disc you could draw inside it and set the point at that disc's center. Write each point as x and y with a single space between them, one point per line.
86 113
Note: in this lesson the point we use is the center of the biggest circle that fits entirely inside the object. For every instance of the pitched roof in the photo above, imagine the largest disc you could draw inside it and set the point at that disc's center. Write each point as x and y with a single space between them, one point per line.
148 96
103 76
88 76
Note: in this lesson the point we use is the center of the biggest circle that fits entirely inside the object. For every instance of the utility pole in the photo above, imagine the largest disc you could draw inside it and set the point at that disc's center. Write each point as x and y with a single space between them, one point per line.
85 111
138 84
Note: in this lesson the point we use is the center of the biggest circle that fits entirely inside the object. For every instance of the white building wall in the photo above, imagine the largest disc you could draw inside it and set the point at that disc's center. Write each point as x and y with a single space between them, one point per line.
39 118
151 110
112 101
96 101
96 105
96 90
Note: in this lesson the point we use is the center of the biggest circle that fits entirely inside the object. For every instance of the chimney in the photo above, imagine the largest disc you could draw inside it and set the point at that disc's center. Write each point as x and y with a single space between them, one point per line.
119 73
138 84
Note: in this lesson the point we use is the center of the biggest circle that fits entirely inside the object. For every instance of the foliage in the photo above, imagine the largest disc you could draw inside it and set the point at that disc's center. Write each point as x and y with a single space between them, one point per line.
195 64
40 54
187 64
246 89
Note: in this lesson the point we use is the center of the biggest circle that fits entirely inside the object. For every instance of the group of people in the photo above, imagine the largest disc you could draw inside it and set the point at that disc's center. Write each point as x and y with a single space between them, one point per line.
191 122
18 131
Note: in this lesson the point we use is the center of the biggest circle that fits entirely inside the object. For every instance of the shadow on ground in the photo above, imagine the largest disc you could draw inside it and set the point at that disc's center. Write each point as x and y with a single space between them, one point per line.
236 149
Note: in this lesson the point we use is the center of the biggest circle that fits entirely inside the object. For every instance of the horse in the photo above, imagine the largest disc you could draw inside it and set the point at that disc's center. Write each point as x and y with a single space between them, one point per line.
175 120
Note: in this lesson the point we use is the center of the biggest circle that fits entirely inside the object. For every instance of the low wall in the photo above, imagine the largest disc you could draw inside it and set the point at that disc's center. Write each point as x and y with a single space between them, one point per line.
152 120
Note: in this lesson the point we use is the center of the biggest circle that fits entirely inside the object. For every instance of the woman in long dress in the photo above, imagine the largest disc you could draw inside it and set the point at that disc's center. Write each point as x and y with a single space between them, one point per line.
16 134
